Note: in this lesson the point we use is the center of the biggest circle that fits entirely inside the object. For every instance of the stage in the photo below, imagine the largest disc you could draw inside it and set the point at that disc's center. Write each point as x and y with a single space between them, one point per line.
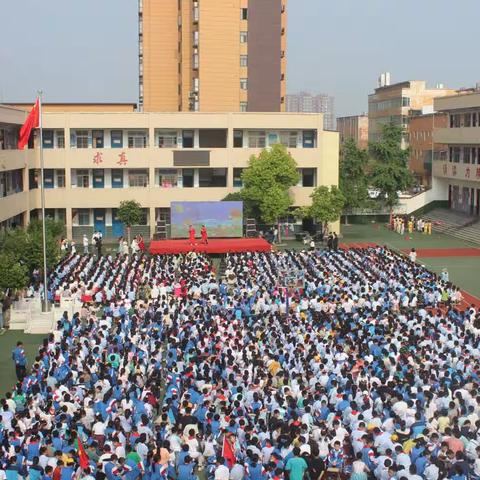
215 245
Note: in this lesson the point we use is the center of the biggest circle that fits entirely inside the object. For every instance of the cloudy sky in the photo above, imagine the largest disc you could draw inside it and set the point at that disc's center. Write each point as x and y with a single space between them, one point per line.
87 50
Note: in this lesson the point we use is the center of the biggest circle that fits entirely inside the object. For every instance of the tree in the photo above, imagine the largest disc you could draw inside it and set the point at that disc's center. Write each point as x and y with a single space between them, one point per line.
390 173
13 275
353 181
266 183
327 206
129 213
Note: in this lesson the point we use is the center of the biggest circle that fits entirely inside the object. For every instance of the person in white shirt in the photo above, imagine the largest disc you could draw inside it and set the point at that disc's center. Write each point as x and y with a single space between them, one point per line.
413 255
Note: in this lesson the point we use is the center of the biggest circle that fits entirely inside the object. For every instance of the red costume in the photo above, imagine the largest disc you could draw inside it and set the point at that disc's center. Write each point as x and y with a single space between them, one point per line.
191 233
204 234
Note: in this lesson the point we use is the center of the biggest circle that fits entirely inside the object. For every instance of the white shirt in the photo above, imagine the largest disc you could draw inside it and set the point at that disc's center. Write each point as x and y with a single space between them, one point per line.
222 473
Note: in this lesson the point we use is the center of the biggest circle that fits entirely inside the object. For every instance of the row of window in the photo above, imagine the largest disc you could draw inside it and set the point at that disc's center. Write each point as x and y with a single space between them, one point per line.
208 138
469 155
8 137
378 106
164 178
468 119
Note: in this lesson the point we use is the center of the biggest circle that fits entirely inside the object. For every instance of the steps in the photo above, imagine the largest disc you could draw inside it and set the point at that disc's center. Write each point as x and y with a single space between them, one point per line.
455 224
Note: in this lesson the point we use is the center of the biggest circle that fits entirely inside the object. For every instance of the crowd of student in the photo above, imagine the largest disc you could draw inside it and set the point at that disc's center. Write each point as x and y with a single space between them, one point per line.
366 369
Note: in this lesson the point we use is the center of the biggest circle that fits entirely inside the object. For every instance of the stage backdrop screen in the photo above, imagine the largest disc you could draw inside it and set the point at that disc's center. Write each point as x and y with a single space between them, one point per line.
222 219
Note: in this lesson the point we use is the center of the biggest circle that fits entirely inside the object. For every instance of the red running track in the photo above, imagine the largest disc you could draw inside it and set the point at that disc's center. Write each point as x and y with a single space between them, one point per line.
215 245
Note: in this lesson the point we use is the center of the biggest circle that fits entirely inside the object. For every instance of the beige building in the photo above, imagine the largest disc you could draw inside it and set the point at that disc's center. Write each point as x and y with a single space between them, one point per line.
355 128
96 159
395 103
458 169
212 56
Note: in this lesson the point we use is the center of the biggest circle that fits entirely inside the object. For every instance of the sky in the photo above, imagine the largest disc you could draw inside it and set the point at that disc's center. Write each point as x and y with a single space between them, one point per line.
87 50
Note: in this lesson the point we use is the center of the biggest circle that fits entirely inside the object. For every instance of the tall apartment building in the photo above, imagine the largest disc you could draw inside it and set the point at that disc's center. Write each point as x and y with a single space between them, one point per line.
354 127
95 158
396 103
212 56
458 168
305 102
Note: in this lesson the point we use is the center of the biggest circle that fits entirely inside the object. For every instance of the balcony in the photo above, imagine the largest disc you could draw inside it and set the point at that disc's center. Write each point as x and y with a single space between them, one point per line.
458 171
459 136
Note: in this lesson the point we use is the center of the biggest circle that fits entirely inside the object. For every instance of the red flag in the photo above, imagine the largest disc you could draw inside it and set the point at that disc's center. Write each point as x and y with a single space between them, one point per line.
228 452
31 122
82 455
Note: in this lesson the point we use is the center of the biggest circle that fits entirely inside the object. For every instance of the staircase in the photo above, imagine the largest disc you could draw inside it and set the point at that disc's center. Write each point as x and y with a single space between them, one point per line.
455 224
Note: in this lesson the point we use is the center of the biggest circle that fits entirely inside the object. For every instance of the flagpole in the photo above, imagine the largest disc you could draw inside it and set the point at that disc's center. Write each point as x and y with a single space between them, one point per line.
45 304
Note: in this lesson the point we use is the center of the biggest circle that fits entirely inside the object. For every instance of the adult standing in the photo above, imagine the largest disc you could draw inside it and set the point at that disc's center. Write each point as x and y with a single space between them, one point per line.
20 359
99 245
191 234
335 241
204 234
330 242
296 465
85 244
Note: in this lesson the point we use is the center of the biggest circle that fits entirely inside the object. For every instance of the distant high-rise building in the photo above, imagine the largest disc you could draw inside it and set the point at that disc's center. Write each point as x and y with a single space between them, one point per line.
354 127
212 55
305 102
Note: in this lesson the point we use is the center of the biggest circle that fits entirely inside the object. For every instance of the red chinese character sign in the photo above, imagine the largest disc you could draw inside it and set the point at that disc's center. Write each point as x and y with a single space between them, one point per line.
97 158
122 159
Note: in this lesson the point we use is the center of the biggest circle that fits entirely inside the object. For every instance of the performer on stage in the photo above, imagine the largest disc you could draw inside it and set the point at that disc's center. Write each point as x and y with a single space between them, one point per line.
204 234
191 233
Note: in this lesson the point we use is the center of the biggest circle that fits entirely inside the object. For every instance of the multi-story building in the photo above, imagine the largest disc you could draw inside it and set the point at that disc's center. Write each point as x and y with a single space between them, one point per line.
305 102
458 168
94 160
212 56
395 103
422 146
355 128
14 198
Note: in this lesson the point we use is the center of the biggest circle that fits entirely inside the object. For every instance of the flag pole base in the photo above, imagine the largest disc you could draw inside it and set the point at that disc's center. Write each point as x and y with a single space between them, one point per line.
46 306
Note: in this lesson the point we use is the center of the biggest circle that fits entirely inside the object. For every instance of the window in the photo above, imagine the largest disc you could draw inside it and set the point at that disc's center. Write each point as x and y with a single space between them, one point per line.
60 134
308 177
243 84
244 60
83 215
167 178
167 139
47 138
212 177
138 178
83 178
237 177
98 178
256 139
244 14
116 139
237 138
455 154
97 138
187 138
188 177
289 139
137 139
117 178
82 138
243 37
455 120
474 119
243 106
405 101
212 138
60 178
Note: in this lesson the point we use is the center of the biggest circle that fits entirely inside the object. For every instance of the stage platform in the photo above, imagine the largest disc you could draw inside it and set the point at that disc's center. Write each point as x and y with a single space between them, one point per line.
215 245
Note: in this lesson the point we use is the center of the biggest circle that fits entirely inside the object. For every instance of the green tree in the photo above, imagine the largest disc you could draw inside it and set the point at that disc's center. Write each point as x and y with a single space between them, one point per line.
129 213
327 206
390 173
13 275
266 183
353 181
